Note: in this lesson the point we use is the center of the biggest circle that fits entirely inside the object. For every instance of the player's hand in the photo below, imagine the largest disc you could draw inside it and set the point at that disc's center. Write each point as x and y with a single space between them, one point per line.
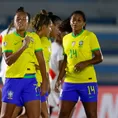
44 88
27 41
80 66
57 86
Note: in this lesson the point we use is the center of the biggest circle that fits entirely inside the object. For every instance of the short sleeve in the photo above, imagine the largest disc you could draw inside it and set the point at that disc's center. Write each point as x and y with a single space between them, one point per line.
7 45
94 44
37 46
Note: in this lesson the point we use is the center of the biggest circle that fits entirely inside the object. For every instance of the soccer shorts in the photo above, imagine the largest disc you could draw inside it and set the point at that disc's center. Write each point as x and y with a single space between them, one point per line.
86 92
20 90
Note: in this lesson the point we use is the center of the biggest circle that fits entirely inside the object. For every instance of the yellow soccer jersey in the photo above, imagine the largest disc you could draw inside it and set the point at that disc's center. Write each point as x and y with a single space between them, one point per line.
79 48
25 63
46 46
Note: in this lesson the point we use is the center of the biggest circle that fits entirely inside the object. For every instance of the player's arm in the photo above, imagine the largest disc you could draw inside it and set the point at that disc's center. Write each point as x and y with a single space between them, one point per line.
96 52
41 63
60 58
97 58
11 57
61 73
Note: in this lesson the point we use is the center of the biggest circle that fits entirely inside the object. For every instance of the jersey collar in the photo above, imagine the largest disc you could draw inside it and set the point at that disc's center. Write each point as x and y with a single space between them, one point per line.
19 34
77 34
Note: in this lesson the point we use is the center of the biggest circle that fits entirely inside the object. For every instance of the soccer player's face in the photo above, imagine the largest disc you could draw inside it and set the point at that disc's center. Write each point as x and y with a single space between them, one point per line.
77 22
55 29
48 30
21 21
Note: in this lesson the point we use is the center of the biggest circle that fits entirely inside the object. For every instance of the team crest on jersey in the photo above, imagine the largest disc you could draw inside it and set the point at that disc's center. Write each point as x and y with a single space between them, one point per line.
10 95
4 43
81 43
73 43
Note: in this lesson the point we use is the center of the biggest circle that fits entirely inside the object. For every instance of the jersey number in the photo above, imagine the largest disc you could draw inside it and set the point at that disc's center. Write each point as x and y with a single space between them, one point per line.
91 89
73 53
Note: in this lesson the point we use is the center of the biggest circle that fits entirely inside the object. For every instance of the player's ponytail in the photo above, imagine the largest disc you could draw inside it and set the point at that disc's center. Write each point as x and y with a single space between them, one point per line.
39 20
10 26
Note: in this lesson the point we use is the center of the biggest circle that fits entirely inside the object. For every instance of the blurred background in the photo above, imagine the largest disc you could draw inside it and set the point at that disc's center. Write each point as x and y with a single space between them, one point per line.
102 18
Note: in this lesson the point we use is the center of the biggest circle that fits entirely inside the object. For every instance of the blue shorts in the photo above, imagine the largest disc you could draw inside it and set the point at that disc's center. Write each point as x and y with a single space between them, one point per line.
19 91
44 97
86 92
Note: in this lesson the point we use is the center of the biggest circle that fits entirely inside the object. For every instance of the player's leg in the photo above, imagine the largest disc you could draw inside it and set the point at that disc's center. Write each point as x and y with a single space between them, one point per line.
23 114
44 110
44 106
31 98
90 109
69 98
10 97
33 109
66 108
7 110
17 111
71 114
89 99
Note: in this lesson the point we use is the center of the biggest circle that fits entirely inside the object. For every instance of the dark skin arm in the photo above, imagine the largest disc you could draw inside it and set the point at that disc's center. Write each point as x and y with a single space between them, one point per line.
61 73
47 75
41 62
95 60
11 58
60 64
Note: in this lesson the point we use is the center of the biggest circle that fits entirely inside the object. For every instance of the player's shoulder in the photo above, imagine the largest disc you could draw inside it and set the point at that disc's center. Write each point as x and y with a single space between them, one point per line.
33 35
89 33
67 36
8 36
46 40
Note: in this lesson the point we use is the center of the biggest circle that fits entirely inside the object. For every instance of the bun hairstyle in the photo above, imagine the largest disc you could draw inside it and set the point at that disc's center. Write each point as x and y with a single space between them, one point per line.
53 18
50 14
40 19
20 9
44 12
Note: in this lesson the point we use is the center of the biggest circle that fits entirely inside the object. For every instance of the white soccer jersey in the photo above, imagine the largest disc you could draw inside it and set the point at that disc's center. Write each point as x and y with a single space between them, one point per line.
56 56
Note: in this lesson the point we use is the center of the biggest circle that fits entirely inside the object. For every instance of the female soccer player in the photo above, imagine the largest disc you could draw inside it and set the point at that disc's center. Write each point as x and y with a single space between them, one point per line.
42 25
82 51
20 88
55 59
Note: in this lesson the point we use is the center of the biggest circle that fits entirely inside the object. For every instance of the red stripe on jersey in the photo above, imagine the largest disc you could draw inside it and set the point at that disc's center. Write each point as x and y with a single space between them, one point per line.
52 73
